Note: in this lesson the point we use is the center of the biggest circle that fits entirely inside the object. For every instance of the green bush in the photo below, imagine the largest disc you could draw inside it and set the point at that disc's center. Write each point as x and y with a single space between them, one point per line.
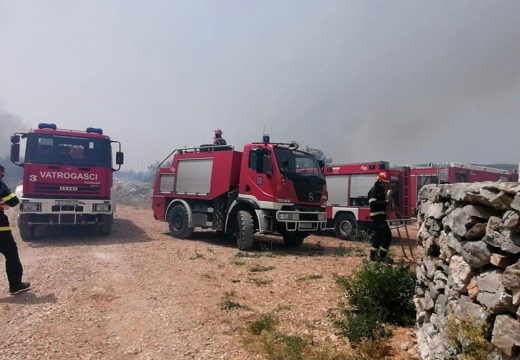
358 326
469 339
265 323
377 294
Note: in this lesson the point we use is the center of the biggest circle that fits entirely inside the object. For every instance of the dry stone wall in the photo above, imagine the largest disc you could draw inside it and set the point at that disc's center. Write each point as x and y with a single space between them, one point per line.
470 270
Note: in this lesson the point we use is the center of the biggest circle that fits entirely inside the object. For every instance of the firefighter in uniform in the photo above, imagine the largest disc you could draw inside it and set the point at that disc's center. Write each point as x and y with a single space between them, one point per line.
8 248
378 202
218 139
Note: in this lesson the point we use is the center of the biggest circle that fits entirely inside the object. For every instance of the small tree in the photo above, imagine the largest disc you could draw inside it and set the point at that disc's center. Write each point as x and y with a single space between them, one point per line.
320 155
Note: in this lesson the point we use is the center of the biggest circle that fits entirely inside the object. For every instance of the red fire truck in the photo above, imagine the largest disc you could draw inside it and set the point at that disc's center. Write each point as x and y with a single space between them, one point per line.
348 186
268 188
453 172
67 178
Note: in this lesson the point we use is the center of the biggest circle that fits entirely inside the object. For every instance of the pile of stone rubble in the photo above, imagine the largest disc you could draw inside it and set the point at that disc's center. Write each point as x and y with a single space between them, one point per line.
132 193
470 270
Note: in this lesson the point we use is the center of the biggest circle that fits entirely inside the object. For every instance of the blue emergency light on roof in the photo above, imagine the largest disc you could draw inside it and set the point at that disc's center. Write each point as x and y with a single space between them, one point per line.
95 130
47 126
266 139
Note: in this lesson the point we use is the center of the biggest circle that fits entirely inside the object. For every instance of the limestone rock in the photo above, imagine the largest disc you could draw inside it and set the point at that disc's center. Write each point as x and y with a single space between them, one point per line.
454 243
476 254
492 293
506 334
511 220
502 240
476 232
511 276
472 289
516 202
495 198
493 224
509 187
440 304
445 251
471 312
456 221
515 293
500 260
434 210
461 272
481 212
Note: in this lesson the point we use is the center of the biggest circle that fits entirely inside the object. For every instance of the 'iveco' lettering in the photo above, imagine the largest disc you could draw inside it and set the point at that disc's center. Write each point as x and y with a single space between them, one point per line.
68 188
67 175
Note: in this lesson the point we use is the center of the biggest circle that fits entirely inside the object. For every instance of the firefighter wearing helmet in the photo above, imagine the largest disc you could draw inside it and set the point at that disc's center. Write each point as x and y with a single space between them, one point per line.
218 139
378 202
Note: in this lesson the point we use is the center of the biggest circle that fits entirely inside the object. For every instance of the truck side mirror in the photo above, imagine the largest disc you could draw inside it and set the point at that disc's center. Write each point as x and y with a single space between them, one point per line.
120 158
15 152
15 139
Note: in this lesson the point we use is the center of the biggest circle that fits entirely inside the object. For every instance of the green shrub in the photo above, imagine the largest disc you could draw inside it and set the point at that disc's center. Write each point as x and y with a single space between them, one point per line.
230 305
468 339
265 323
377 294
279 346
358 326
261 268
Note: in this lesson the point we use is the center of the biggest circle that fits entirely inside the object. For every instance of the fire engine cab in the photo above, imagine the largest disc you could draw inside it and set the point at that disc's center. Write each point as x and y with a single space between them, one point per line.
67 178
269 188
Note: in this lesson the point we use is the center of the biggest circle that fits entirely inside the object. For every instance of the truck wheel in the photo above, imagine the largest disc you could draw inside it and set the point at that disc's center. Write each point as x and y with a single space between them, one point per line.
26 231
178 222
106 226
344 226
245 230
293 238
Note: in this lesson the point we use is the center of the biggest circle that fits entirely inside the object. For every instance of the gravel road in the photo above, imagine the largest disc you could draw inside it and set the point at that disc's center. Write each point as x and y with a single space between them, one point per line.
141 294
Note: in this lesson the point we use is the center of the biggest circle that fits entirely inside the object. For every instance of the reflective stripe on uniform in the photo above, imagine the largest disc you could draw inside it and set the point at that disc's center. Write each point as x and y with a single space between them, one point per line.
377 213
8 197
371 200
5 228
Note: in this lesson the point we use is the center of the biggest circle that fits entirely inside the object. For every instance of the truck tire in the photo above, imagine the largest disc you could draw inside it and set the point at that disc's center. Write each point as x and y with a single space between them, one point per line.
293 238
345 225
245 230
105 228
26 231
178 222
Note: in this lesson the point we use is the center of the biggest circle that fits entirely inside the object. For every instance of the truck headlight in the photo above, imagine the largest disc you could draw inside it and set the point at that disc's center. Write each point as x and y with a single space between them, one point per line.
31 206
285 216
321 217
105 207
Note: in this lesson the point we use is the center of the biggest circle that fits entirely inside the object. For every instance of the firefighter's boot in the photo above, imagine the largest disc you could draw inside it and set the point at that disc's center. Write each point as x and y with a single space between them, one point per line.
374 254
383 256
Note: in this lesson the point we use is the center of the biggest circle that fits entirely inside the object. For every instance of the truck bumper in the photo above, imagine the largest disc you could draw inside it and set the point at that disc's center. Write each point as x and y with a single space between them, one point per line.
36 211
301 220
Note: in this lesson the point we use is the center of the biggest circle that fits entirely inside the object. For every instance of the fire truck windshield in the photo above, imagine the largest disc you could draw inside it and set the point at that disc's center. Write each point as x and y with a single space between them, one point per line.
293 162
68 150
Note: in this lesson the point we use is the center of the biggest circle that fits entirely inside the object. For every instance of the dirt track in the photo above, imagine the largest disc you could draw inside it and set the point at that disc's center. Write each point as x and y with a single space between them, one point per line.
141 294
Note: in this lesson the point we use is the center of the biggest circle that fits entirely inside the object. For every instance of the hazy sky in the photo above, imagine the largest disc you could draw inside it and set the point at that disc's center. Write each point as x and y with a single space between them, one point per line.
403 81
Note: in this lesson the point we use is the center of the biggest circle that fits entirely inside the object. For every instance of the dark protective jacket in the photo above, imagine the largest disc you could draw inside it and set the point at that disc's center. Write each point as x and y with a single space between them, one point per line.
219 141
377 200
6 198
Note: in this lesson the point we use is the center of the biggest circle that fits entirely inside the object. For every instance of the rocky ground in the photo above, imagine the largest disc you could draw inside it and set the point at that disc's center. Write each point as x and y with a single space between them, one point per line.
141 294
